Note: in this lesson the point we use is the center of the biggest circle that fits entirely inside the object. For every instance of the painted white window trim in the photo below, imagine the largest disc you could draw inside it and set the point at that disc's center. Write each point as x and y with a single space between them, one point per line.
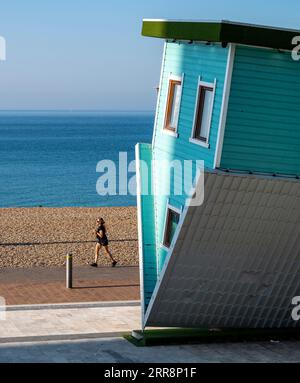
212 85
176 210
162 246
174 78
199 142
170 133
224 107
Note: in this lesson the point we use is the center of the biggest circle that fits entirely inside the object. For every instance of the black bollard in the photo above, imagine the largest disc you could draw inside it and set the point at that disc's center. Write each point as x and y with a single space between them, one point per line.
69 271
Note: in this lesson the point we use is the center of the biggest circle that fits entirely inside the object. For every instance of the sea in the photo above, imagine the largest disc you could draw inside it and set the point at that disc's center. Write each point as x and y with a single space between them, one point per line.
49 158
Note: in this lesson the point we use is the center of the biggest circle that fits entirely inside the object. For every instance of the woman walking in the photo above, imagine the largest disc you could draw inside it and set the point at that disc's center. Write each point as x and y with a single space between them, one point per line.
102 240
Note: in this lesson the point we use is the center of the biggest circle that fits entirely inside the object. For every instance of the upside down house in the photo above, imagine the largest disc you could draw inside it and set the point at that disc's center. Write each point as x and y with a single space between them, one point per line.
229 95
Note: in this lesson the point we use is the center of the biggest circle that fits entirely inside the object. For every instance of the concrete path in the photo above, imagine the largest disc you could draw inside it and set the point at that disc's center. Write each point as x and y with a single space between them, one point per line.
90 332
69 321
111 350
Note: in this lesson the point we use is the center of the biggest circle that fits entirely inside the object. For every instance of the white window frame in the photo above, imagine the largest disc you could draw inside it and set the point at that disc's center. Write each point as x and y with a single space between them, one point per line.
212 85
169 132
176 210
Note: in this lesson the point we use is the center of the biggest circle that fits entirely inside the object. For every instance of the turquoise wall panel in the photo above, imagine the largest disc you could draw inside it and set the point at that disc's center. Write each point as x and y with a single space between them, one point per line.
148 224
263 123
192 60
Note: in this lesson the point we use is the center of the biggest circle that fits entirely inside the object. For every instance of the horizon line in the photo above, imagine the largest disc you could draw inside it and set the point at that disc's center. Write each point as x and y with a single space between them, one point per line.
80 110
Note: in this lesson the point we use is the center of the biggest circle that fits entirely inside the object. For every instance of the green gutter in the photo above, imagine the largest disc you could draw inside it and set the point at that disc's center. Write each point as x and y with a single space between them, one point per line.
182 30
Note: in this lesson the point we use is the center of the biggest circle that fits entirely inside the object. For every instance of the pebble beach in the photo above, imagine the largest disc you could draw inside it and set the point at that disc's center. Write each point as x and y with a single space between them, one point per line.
41 237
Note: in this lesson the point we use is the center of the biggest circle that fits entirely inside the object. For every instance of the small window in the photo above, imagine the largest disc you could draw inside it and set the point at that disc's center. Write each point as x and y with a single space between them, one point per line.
173 104
203 113
172 220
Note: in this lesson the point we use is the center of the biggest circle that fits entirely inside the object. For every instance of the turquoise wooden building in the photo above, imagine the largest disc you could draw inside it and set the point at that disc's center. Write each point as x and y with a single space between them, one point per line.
228 95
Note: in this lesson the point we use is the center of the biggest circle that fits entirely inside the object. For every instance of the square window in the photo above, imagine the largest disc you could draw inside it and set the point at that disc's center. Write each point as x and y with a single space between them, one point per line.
172 220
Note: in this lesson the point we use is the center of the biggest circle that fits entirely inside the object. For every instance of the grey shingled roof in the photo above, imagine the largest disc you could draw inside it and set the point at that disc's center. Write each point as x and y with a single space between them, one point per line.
236 262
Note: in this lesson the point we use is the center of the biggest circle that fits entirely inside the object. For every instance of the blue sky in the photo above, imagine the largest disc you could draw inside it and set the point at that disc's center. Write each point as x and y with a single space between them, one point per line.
89 54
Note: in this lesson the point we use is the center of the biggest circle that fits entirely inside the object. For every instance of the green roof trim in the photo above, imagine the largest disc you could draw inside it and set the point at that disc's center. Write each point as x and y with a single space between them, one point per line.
221 32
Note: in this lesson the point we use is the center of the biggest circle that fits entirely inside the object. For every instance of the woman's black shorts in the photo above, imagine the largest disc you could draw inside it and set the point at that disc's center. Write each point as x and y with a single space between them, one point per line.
103 241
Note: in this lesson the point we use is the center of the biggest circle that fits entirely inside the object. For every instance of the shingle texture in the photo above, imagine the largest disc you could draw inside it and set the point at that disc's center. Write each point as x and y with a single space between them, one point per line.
236 262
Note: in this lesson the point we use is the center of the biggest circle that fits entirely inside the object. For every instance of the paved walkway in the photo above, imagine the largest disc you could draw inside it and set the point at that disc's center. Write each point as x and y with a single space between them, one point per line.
90 332
47 285
69 321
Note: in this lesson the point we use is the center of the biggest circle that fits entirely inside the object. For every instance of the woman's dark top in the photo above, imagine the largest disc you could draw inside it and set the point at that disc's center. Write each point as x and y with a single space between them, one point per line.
104 240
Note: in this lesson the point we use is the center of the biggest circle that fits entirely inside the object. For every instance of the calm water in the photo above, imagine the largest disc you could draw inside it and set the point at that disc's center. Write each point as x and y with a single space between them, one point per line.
50 158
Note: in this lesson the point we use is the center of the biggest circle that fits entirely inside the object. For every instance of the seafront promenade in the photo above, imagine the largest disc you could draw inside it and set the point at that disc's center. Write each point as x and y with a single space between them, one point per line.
47 285
83 320
86 324
94 335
